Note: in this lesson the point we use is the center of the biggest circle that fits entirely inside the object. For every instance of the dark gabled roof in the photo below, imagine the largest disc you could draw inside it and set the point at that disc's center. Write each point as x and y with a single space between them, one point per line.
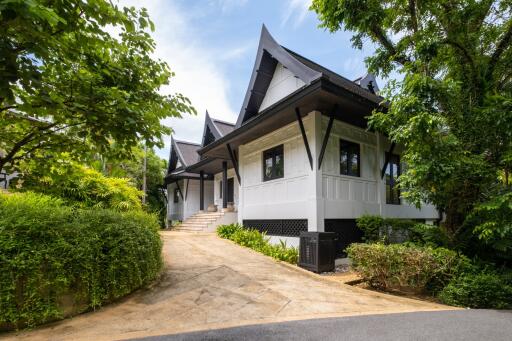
223 127
352 86
268 55
214 129
188 151
184 152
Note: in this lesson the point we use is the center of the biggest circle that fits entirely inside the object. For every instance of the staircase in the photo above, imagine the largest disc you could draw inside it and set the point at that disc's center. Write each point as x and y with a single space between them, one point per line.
205 221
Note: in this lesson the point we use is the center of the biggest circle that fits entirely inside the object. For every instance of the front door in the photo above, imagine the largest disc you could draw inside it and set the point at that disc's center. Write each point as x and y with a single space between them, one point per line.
231 190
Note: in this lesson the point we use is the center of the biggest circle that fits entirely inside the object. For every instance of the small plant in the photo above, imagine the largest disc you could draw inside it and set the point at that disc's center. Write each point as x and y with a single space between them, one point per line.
478 290
259 242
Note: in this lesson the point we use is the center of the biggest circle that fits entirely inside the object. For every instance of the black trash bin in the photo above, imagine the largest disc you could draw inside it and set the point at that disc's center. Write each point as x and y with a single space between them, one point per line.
317 251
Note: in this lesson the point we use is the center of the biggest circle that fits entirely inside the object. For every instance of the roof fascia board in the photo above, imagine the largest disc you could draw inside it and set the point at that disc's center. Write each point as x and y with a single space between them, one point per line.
274 108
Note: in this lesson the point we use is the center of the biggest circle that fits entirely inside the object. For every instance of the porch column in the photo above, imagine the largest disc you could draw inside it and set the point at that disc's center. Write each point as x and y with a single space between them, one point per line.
201 191
224 184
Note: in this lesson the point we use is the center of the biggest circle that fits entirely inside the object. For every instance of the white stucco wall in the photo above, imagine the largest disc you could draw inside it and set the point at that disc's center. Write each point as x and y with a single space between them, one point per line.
216 190
290 197
192 196
174 210
282 84
305 193
350 197
189 205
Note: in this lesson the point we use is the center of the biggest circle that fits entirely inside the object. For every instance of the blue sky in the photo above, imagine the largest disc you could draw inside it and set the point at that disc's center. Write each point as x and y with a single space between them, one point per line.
211 46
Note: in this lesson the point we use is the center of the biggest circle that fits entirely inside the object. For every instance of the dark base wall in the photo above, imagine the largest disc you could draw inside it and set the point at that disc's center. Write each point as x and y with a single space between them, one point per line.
278 227
346 231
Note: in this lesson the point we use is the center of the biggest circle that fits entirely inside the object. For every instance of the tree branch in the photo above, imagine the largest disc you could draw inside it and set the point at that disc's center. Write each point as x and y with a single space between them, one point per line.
414 17
502 46
388 45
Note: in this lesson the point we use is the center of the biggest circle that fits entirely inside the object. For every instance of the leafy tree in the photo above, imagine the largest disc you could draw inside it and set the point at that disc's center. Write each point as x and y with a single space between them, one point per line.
132 168
68 83
453 109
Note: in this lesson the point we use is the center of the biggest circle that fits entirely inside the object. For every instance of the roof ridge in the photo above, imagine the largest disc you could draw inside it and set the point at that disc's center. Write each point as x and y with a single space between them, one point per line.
187 142
221 121
320 65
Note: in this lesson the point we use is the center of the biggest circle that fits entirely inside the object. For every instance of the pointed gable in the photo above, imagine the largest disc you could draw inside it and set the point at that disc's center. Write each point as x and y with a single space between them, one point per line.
210 131
182 155
270 54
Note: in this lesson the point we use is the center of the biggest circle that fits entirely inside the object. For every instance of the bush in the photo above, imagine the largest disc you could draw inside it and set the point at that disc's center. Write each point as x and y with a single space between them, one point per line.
386 230
83 187
57 261
403 267
478 290
259 242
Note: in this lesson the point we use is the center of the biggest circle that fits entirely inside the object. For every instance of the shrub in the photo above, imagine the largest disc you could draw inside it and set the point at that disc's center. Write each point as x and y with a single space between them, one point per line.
259 242
57 261
478 290
387 230
403 267
82 187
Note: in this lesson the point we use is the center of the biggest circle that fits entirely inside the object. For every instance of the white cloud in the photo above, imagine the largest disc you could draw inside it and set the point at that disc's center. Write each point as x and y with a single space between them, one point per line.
228 5
295 10
196 67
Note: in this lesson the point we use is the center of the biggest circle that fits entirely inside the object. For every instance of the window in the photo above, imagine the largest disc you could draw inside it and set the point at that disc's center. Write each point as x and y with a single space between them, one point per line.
273 163
220 190
350 155
392 174
176 195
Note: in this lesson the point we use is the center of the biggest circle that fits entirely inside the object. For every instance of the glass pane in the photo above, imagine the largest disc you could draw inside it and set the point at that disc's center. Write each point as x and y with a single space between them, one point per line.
343 162
354 165
268 168
279 169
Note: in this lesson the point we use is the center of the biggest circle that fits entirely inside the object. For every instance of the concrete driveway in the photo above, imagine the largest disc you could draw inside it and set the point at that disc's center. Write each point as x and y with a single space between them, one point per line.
211 283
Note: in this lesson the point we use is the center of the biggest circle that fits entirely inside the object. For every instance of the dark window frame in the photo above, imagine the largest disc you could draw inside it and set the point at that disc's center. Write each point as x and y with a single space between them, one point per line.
220 190
391 181
176 198
273 153
350 152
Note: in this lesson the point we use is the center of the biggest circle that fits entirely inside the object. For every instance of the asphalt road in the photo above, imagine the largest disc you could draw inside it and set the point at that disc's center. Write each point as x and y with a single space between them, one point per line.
487 325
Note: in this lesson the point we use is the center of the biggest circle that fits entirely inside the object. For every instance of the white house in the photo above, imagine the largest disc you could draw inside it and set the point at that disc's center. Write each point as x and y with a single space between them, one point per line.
300 156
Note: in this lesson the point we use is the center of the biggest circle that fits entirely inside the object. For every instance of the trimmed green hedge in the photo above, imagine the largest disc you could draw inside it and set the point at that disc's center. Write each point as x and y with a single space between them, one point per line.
57 261
259 242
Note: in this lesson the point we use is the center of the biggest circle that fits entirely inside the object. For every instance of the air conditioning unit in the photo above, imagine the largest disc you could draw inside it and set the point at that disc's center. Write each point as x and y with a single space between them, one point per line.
317 251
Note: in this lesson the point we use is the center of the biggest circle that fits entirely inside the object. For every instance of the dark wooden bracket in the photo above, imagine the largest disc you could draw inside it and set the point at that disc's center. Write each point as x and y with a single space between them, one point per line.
186 190
179 189
304 137
234 161
386 159
326 136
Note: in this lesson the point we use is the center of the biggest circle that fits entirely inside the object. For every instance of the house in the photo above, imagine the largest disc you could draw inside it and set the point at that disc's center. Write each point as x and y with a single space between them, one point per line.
300 156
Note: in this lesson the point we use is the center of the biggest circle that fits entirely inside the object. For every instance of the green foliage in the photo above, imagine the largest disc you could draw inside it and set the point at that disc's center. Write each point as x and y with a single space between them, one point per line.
386 230
132 168
259 242
492 224
402 267
452 110
57 261
81 186
68 84
478 290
